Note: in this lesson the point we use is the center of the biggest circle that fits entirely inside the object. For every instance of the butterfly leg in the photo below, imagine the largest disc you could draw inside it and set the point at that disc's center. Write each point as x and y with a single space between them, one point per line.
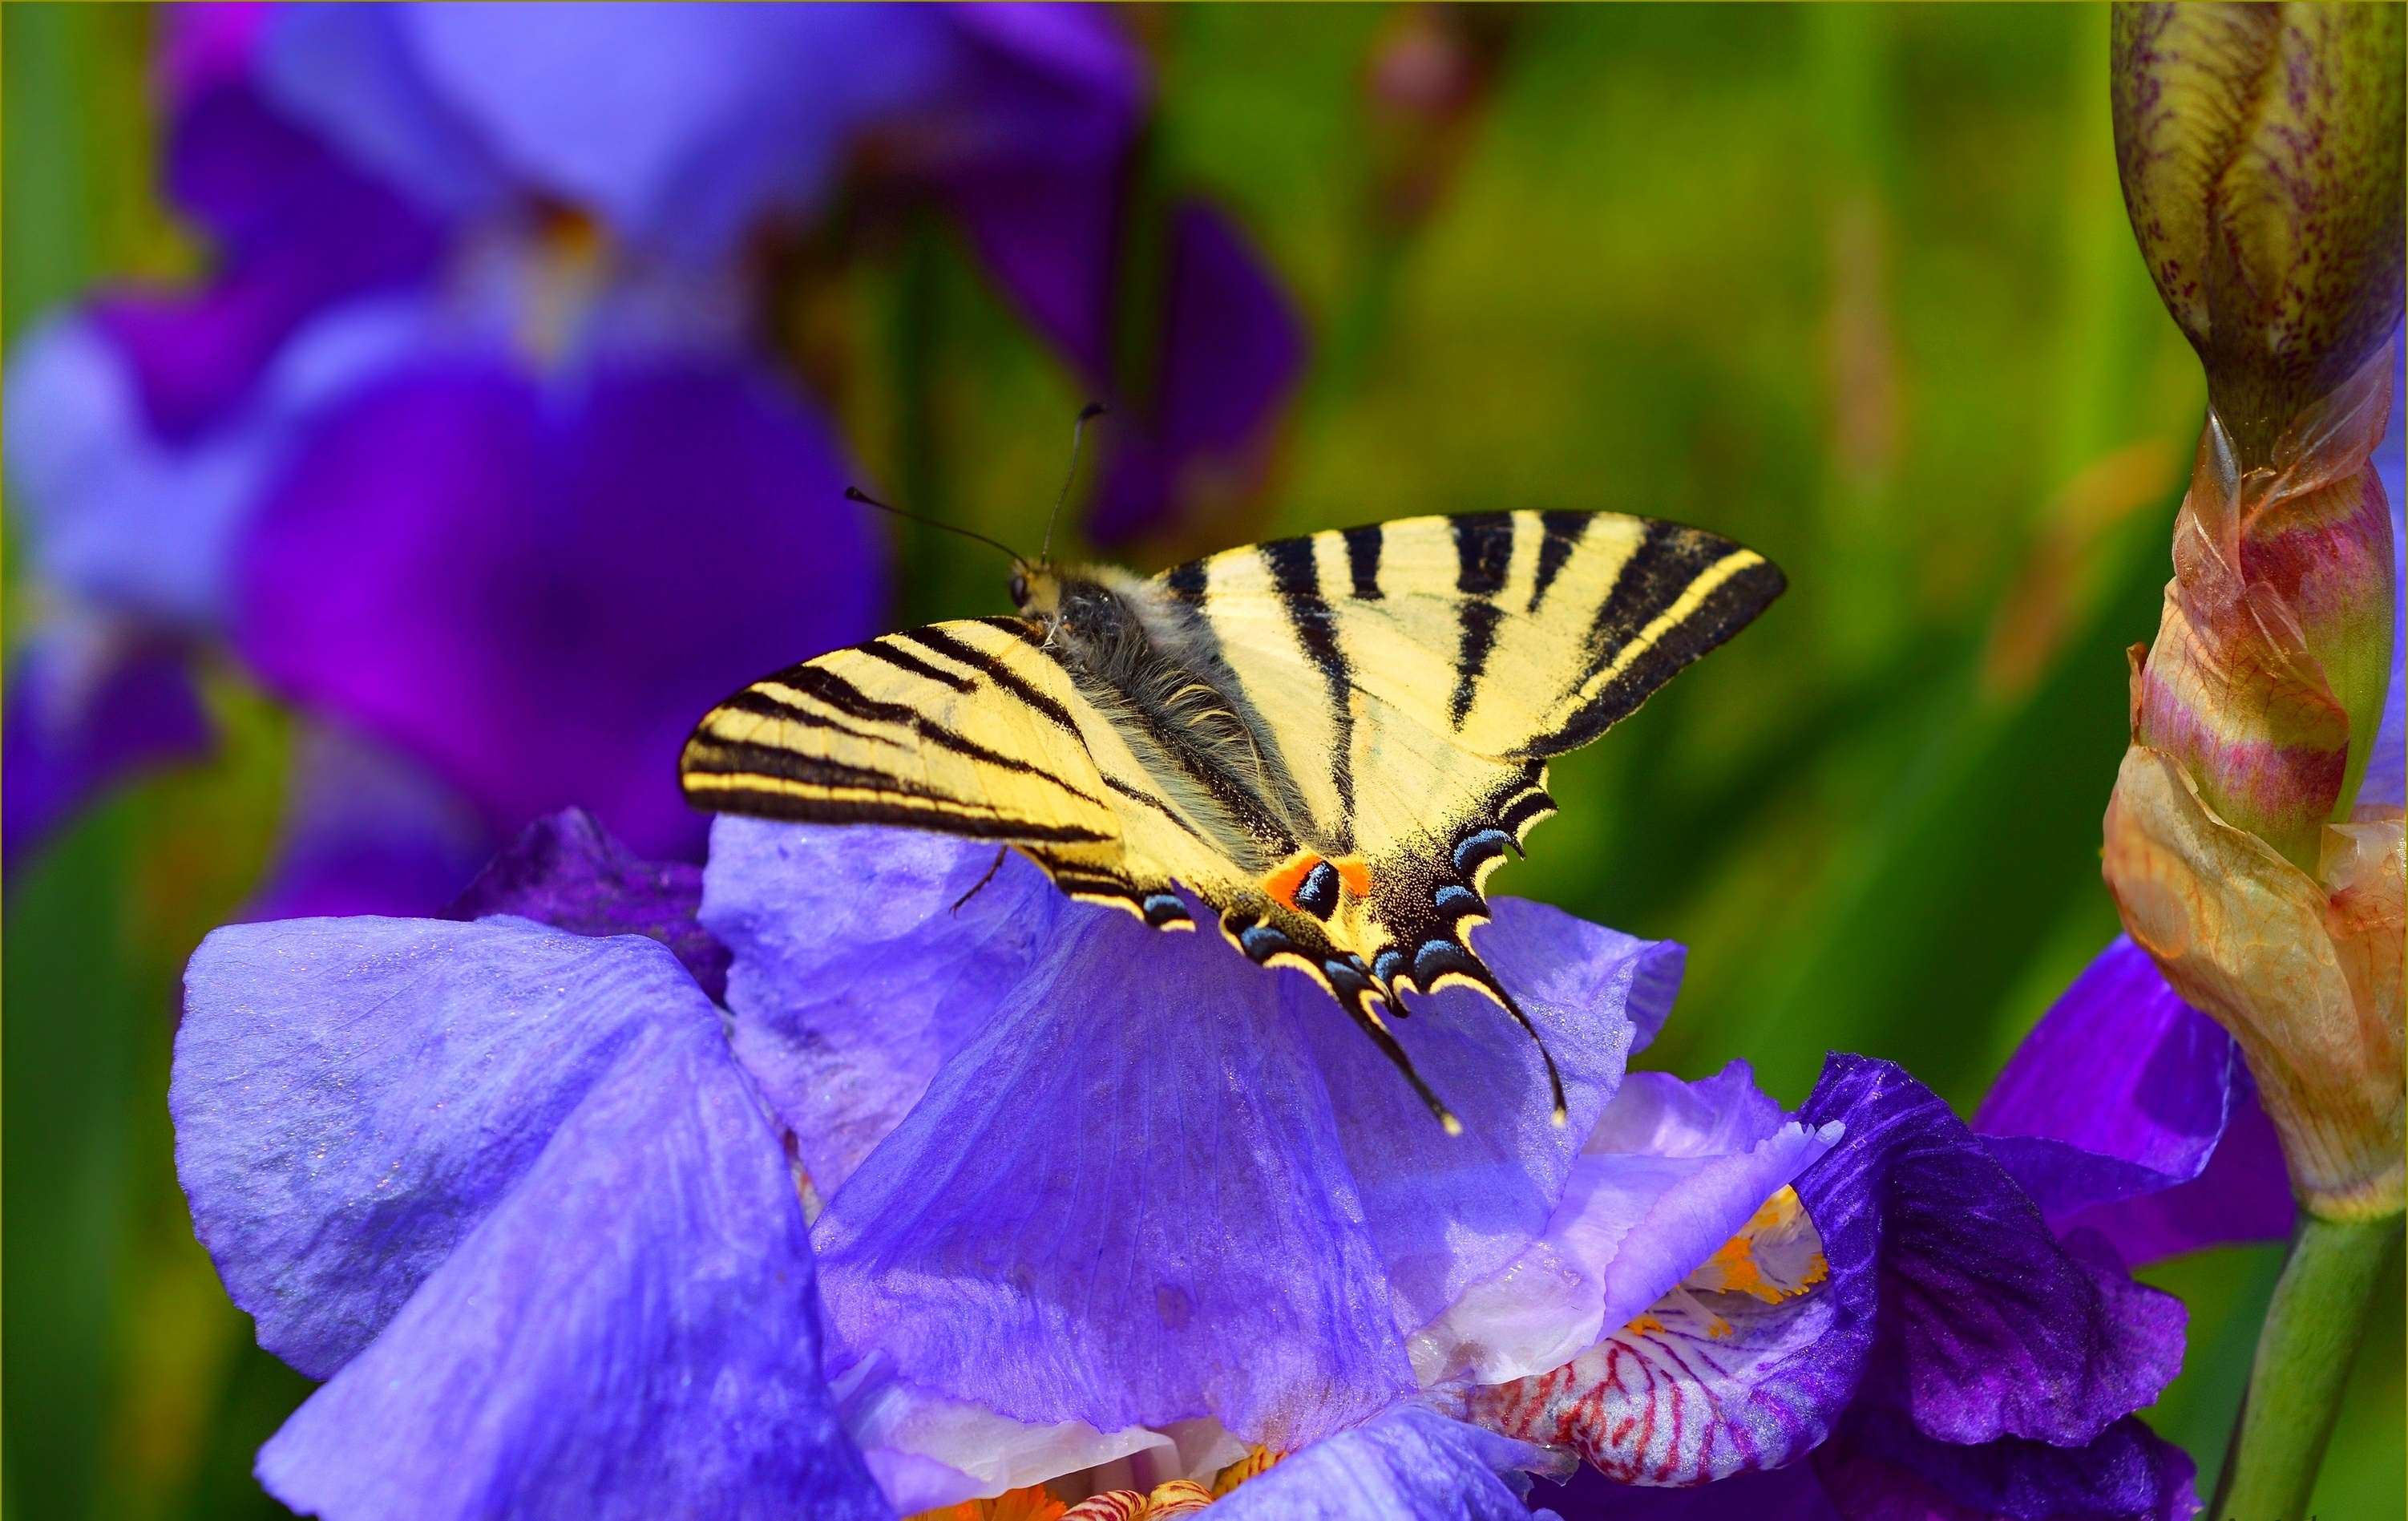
993 867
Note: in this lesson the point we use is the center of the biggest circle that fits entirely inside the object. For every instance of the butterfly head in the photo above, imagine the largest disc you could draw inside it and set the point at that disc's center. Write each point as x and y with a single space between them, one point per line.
1035 589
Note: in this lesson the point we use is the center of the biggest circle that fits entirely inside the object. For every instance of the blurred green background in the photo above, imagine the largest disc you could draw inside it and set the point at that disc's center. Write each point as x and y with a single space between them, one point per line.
1852 285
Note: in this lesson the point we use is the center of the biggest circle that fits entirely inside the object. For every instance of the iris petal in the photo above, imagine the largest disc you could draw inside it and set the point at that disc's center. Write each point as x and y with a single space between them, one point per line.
352 1096
2117 1106
631 1332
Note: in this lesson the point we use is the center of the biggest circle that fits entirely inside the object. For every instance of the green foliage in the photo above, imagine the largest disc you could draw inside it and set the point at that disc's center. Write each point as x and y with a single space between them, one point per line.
1853 286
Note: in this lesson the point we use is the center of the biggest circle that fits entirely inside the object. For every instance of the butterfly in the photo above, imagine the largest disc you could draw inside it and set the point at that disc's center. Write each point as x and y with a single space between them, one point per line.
1328 741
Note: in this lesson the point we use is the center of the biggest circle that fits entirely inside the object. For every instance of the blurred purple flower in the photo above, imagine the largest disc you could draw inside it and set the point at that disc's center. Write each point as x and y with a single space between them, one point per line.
67 744
465 444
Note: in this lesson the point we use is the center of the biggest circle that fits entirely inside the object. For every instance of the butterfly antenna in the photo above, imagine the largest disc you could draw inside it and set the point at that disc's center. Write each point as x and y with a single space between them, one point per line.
1078 434
855 493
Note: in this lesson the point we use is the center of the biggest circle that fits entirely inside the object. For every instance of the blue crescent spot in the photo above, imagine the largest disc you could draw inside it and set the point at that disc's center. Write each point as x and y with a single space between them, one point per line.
1473 848
1262 942
1391 966
1455 901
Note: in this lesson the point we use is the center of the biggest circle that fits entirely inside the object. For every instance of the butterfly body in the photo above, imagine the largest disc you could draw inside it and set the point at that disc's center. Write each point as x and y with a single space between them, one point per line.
1330 740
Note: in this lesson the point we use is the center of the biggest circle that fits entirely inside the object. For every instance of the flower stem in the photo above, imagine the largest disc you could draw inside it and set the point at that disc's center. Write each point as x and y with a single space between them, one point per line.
2312 1329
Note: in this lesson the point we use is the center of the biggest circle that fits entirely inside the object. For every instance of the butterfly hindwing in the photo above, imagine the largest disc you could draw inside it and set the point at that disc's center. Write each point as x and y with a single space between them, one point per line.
1417 673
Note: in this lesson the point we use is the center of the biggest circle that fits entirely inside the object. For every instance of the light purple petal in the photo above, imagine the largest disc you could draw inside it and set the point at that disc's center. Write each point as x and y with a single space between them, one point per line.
298 232
630 1332
853 978
81 720
536 592
1445 1210
1670 1172
352 1096
1119 1262
1230 353
1411 1463
1881 1467
1988 1328
2123 1091
566 871
365 831
1788 1494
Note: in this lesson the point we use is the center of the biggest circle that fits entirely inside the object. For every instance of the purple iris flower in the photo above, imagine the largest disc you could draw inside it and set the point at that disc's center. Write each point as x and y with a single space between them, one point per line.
467 447
1945 1355
1087 1203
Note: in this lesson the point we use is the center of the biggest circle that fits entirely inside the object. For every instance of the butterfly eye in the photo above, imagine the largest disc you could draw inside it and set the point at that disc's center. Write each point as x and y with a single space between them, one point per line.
1019 589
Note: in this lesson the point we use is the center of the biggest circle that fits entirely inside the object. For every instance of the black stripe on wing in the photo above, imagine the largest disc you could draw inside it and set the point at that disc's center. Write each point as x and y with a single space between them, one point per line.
1484 550
1666 563
1296 573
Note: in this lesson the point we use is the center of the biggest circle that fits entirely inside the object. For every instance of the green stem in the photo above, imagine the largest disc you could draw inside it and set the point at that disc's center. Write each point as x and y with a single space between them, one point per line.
2303 1354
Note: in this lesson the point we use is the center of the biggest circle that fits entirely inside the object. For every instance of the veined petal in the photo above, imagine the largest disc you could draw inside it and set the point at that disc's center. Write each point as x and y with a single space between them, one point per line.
2122 1092
630 1332
1410 1462
1946 1296
1671 1173
352 1096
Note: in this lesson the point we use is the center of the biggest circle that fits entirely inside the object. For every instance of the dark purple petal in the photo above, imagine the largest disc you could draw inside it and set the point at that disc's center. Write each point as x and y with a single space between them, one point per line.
1988 1328
365 831
855 978
2244 1193
566 871
1672 1171
298 231
537 591
630 1332
1411 1463
77 727
1031 149
1113 1118
1880 1467
203 46
352 1096
1231 350
1787 1494
2124 1091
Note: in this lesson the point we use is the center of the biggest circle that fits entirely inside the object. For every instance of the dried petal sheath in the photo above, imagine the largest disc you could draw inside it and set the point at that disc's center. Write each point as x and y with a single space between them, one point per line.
2261 150
2304 973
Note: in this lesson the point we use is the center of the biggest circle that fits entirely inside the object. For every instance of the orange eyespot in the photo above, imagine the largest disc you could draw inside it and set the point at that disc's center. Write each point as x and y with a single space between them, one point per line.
1355 873
1282 884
